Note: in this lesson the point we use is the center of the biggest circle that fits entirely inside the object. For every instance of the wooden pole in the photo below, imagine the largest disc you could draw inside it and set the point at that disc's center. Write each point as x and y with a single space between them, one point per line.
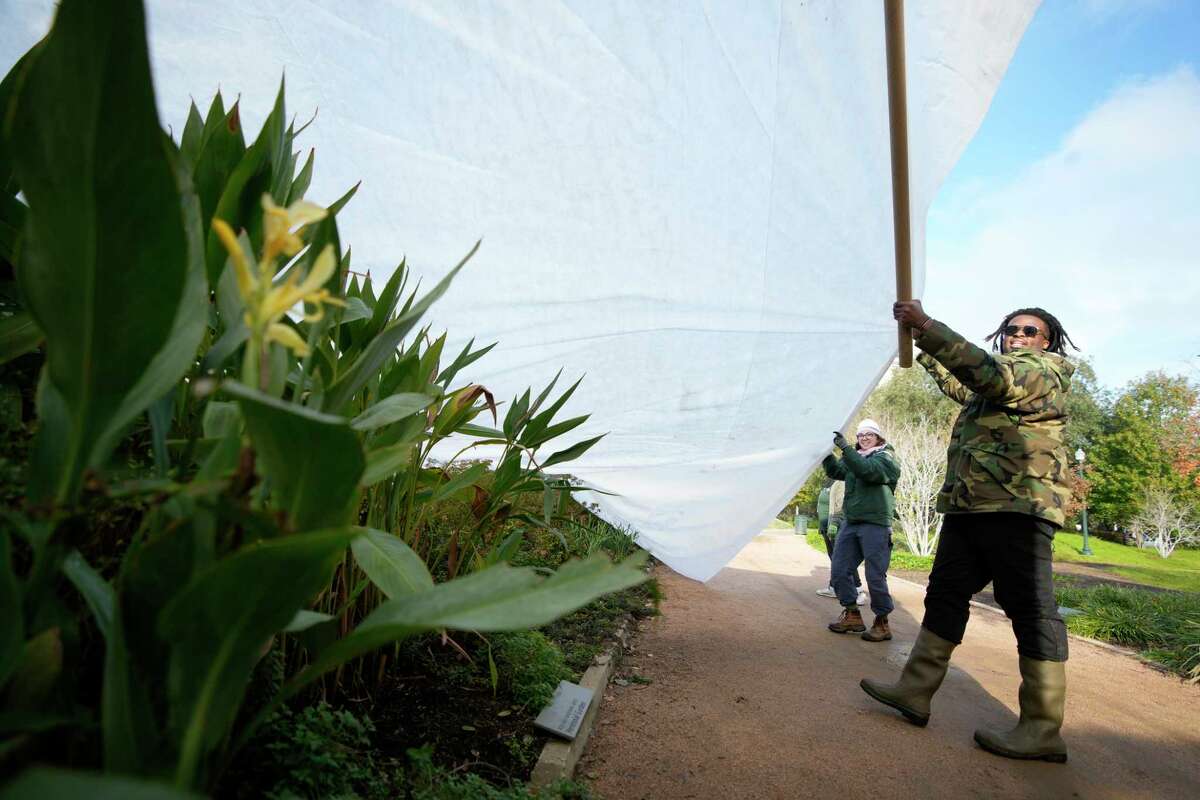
893 22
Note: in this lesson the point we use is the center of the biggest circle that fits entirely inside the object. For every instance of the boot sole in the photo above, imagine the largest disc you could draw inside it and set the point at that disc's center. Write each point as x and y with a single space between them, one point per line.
847 630
1053 758
916 719
868 638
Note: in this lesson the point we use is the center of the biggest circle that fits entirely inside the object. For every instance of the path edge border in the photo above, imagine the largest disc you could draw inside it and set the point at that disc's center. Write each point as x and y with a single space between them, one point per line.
559 758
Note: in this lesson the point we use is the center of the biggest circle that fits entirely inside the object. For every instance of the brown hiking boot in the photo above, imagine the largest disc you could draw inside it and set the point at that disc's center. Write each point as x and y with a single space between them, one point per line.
879 630
850 621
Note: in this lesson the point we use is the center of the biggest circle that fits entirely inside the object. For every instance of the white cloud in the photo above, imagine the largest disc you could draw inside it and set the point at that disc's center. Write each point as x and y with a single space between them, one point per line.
1104 233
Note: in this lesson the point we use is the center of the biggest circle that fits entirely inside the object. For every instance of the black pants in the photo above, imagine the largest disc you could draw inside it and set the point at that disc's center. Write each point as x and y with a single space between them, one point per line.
1012 551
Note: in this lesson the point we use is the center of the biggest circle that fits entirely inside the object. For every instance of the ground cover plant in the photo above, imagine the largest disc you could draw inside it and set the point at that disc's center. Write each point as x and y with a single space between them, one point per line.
220 499
1163 626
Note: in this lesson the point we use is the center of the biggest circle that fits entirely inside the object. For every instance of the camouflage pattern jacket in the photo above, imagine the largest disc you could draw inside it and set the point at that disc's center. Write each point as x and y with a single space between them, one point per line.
1006 451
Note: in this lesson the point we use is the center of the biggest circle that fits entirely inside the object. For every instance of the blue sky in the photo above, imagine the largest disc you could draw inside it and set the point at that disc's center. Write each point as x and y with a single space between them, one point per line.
1081 191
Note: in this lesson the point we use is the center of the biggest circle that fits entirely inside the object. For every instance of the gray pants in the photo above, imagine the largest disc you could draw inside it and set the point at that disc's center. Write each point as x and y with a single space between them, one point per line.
858 542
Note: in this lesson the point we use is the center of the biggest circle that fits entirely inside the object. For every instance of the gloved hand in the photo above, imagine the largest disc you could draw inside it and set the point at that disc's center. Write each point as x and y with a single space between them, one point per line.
839 441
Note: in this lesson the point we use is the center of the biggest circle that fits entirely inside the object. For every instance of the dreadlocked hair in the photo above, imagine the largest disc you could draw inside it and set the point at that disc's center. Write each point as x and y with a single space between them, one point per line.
1058 334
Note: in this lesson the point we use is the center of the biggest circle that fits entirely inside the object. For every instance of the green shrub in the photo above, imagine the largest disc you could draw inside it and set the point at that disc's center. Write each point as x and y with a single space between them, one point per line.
530 666
429 781
317 752
1164 626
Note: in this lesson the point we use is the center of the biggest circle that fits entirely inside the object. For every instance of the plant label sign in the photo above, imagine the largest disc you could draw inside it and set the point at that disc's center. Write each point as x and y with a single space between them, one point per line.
565 713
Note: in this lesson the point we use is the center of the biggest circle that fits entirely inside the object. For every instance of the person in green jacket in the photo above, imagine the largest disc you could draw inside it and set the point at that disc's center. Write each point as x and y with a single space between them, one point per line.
870 472
1004 497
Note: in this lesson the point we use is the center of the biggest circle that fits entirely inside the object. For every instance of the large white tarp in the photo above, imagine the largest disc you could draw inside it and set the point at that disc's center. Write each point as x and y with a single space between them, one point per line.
688 201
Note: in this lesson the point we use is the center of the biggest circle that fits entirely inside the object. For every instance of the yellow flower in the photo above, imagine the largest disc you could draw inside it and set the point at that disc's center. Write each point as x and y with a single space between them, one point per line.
281 227
267 302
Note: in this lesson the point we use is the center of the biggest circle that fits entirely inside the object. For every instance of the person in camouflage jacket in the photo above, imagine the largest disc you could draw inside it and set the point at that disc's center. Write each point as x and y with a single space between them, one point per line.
1004 496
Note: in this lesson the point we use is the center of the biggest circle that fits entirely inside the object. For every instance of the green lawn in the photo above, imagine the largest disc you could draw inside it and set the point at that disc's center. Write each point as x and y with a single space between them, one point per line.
1181 571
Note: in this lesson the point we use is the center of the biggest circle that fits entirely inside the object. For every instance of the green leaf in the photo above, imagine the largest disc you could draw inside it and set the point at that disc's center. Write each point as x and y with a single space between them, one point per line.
161 414
460 481
193 136
538 424
305 619
571 453
8 89
386 303
12 632
391 409
19 335
383 346
42 783
471 429
314 460
12 226
222 149
111 246
223 422
240 201
556 430
387 461
465 358
300 184
391 564
499 598
355 310
218 627
95 590
35 677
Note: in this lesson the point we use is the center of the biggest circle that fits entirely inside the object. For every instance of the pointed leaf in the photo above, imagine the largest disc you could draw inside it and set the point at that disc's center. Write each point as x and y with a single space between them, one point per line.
391 409
387 461
95 590
571 453
313 460
459 482
112 238
391 564
498 598
217 627
19 335
384 345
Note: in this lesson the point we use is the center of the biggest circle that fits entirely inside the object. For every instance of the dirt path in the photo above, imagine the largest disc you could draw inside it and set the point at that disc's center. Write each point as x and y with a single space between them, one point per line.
750 697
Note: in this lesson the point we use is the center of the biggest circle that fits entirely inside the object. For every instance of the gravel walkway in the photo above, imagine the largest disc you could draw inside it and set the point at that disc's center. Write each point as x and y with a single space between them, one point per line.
749 696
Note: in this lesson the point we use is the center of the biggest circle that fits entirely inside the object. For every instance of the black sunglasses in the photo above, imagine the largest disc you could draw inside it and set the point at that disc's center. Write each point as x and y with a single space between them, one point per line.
1028 330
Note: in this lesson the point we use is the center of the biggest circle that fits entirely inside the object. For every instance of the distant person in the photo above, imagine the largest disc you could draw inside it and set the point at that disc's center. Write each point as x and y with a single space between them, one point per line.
1003 499
870 472
829 520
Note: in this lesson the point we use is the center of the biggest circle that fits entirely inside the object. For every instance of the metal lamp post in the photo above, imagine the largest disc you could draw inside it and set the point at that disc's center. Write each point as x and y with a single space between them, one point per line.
1087 550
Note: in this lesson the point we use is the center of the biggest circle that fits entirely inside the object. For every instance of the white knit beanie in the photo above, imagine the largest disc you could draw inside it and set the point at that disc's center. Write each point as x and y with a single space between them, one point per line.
870 426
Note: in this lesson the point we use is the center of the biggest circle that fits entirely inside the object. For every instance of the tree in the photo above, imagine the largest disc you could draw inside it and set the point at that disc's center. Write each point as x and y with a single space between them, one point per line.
910 394
1087 407
920 448
1148 441
1165 522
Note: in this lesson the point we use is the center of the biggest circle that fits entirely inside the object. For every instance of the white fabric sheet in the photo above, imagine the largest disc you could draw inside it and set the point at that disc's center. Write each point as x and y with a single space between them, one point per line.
688 201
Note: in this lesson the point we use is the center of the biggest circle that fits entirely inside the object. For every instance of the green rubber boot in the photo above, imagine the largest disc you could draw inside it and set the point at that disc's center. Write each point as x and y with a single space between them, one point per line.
922 675
1043 698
